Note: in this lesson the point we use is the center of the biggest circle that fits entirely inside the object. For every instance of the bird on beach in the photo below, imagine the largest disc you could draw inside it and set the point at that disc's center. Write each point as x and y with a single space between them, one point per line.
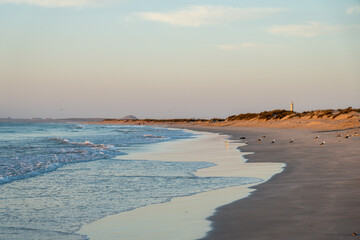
245 142
348 136
260 140
317 137
323 143
291 141
273 141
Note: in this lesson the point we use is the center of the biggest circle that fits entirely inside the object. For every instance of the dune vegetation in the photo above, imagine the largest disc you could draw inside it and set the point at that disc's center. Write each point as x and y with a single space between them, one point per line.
278 114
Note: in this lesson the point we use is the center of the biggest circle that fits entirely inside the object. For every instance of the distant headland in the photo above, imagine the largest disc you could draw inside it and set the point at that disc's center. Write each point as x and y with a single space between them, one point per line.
328 119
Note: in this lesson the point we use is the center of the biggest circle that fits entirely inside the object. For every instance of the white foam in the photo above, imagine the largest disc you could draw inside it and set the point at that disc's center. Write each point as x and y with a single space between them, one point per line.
153 136
63 140
102 146
184 217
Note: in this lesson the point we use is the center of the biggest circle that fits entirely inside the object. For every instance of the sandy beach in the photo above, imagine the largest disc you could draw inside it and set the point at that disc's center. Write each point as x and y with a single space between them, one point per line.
315 197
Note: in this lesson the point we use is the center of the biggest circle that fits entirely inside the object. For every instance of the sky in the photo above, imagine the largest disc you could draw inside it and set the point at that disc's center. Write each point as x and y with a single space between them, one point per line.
176 59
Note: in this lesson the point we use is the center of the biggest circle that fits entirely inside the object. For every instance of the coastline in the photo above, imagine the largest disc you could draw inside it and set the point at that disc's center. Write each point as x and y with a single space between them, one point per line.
317 195
189 212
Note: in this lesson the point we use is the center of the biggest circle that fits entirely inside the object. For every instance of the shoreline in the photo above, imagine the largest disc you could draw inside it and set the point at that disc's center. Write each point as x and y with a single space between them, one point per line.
316 196
189 212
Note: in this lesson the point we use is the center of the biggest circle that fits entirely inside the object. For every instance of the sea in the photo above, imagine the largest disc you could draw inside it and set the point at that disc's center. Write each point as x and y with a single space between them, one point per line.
56 177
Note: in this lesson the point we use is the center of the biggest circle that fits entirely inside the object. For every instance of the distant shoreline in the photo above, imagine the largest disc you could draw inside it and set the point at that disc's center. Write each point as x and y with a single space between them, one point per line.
50 120
321 120
328 119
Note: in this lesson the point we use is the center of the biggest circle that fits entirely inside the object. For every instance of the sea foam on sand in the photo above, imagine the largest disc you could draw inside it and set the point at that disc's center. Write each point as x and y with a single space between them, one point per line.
184 217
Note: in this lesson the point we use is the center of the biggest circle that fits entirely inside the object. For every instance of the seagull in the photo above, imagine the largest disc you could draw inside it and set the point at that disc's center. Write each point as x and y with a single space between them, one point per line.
259 140
291 141
323 143
273 141
317 137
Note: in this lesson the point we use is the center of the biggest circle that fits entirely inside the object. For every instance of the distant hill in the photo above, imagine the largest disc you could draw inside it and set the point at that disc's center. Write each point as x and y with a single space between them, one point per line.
129 117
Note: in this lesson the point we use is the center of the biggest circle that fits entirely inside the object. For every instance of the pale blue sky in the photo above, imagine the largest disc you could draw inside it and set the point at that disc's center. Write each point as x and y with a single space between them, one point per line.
92 58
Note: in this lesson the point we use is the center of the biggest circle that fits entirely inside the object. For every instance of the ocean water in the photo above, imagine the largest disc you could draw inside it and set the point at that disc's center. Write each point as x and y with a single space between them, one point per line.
56 177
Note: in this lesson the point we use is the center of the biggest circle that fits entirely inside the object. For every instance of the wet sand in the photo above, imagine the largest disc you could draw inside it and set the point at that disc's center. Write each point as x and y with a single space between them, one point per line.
317 196
184 217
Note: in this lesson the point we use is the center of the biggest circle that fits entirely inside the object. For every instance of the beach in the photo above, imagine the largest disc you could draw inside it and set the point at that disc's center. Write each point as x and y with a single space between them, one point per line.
182 181
165 220
315 197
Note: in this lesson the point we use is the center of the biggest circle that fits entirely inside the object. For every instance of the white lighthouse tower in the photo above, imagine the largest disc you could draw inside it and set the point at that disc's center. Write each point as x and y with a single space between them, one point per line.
291 107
